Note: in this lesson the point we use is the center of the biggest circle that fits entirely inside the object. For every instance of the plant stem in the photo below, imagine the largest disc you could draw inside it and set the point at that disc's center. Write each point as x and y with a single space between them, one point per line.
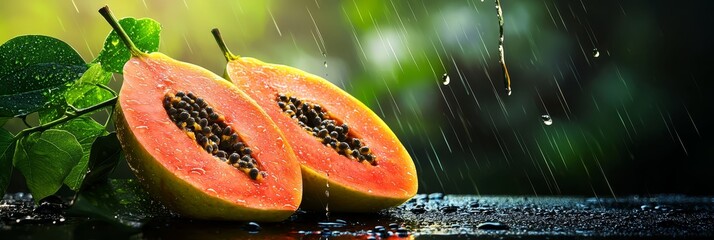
68 116
107 14
222 44
105 87
110 112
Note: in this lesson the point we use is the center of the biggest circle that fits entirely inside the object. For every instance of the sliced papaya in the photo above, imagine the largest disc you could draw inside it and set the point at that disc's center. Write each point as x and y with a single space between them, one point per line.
199 145
351 160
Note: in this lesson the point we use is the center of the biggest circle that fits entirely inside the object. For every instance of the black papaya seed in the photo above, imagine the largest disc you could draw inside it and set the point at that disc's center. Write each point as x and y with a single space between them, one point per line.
209 130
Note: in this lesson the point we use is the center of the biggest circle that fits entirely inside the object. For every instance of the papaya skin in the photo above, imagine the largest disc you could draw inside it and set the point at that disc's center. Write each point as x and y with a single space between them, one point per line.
177 193
344 196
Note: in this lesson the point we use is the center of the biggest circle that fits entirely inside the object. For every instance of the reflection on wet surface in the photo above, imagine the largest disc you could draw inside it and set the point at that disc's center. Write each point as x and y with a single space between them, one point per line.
425 216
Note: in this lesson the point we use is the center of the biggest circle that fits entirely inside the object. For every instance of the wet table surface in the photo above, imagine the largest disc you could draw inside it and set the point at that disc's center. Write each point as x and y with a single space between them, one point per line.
433 216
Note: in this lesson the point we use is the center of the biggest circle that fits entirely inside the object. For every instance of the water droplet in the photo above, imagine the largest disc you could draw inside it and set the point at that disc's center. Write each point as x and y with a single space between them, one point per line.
546 119
436 196
325 63
327 195
446 79
252 227
596 53
199 171
115 42
402 232
492 226
335 224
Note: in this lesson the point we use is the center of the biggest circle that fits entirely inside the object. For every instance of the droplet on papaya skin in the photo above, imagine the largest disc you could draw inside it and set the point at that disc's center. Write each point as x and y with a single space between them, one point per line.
316 121
208 129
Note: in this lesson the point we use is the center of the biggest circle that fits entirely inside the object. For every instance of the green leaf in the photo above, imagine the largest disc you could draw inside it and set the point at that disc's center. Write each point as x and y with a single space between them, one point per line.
3 120
105 154
85 130
51 111
45 159
7 146
33 70
120 201
85 92
145 34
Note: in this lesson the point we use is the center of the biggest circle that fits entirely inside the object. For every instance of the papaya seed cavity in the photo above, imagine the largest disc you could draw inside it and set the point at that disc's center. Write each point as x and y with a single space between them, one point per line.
317 122
208 129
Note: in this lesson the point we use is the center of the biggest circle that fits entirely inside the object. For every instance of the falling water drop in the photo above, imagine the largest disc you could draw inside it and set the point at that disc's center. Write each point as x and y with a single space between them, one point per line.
546 119
502 60
596 53
446 79
325 63
327 196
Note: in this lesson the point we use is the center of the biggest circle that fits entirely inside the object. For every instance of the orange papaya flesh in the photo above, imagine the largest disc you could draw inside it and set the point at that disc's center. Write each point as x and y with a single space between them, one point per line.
354 186
181 173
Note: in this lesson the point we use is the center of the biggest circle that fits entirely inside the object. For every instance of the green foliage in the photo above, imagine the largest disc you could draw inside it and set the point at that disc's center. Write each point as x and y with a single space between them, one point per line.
86 130
45 159
143 32
86 92
45 75
7 147
33 69
119 201
104 156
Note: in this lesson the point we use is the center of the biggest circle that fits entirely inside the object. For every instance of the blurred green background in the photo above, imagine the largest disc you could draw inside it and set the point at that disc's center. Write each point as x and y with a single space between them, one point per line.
633 120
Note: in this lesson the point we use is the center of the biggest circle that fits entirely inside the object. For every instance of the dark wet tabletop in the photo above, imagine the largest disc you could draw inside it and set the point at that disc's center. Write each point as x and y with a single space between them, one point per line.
424 217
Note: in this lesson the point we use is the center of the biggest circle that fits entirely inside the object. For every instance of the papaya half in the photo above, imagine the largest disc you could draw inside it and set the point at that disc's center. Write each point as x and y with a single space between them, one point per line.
351 160
199 145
